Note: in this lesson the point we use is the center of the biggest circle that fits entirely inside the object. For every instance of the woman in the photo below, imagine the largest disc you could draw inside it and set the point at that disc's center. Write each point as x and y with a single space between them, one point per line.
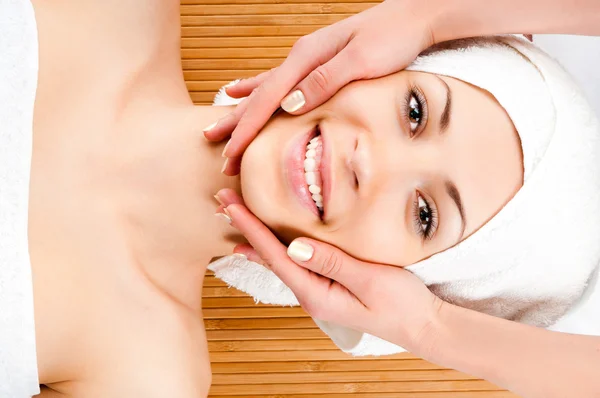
121 222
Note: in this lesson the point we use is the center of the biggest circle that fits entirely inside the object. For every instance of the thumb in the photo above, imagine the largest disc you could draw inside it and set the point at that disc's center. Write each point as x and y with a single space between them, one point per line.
332 263
321 84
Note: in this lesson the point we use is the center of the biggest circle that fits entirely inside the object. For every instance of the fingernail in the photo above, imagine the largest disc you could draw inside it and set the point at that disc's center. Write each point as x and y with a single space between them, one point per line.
225 149
227 212
240 256
224 217
208 128
293 101
224 165
300 251
218 200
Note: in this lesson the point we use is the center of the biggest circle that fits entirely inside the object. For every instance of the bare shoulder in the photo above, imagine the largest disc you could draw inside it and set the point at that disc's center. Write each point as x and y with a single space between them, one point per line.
168 358
163 353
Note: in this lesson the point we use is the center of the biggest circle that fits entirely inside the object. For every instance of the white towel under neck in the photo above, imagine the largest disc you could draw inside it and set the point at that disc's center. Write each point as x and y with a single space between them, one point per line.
18 82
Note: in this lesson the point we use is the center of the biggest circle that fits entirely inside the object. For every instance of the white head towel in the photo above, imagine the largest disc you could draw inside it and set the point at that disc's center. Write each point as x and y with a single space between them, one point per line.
533 260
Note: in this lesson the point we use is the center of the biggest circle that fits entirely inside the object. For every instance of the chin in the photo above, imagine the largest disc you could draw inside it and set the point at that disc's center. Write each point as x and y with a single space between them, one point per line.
263 191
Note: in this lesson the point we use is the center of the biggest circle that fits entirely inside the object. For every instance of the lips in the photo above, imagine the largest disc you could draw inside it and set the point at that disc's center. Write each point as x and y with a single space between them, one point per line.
299 168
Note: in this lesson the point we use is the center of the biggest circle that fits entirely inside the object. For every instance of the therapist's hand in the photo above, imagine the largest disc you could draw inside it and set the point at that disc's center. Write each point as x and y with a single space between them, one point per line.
382 300
381 40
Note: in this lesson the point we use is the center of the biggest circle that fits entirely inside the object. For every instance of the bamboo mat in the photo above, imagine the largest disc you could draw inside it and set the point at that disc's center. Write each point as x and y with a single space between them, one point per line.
266 351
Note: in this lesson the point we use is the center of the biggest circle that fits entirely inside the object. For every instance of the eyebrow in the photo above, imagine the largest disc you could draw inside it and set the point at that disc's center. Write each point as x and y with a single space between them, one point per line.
447 112
455 196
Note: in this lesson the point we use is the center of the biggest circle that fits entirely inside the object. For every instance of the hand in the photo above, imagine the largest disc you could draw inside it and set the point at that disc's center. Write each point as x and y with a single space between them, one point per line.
381 40
382 300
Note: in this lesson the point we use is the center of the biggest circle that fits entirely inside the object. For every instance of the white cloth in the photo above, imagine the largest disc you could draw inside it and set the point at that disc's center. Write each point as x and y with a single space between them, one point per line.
533 260
18 82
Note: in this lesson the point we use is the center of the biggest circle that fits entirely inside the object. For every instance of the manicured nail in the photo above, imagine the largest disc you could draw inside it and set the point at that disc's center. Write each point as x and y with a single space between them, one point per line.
208 128
293 101
224 217
225 149
227 212
224 165
218 200
300 251
240 256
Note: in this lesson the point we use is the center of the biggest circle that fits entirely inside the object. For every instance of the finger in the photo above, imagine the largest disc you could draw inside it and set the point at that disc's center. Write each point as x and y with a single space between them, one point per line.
244 87
250 254
333 263
227 123
318 295
227 196
267 97
231 166
322 83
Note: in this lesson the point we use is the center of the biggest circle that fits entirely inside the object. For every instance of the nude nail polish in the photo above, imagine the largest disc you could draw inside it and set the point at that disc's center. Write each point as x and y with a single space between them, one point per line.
224 217
300 251
208 128
293 101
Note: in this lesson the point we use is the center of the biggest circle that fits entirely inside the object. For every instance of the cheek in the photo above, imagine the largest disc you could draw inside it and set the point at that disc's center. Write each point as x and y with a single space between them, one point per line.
375 236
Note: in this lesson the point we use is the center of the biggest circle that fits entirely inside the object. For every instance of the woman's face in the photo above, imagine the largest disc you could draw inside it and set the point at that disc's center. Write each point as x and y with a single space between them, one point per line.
406 166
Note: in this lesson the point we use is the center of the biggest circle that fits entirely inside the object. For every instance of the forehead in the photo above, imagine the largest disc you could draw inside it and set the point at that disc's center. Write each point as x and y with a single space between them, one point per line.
483 153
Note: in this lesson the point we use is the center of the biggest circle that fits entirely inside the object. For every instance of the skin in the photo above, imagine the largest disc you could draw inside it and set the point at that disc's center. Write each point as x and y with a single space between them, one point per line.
479 152
121 224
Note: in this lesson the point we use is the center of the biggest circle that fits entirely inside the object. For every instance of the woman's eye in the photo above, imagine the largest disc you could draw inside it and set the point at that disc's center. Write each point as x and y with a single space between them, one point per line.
424 214
415 113
415 110
425 218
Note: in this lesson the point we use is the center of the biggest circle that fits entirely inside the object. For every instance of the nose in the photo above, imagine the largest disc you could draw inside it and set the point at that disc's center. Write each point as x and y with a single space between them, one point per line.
380 163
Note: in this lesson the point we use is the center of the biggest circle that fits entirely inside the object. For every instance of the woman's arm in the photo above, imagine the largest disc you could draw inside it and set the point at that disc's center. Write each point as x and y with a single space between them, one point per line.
466 18
530 361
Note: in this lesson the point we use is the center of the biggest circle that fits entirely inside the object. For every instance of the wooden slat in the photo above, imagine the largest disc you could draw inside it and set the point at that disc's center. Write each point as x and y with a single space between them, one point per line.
265 334
323 366
259 3
318 355
282 8
379 387
261 20
235 53
238 42
255 313
340 377
246 30
435 394
271 323
271 345
228 75
264 63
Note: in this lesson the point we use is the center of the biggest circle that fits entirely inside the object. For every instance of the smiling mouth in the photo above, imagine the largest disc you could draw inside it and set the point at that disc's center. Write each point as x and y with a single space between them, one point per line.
312 170
305 171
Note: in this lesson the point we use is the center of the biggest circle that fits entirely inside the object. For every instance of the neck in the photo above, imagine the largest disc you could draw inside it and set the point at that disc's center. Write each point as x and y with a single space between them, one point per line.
171 206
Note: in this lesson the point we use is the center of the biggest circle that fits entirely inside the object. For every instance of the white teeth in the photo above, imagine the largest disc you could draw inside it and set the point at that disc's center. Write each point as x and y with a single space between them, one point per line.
310 164
311 178
314 189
